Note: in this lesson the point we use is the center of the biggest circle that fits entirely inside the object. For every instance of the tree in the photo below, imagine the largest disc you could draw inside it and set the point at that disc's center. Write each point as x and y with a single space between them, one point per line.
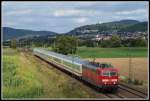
115 41
138 42
105 43
81 42
65 44
13 43
89 43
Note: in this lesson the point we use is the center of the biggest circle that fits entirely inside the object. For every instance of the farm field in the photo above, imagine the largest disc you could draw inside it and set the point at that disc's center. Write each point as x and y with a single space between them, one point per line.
122 52
25 76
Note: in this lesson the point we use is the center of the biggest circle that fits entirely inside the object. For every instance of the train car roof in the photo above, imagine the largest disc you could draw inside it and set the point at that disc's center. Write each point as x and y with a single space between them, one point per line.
70 58
61 56
94 65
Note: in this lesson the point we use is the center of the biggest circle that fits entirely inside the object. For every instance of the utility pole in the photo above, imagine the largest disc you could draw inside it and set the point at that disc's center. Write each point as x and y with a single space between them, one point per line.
77 47
130 65
55 45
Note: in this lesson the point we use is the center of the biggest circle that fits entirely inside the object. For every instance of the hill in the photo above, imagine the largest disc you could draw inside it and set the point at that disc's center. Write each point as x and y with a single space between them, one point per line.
103 28
142 27
124 22
10 33
110 27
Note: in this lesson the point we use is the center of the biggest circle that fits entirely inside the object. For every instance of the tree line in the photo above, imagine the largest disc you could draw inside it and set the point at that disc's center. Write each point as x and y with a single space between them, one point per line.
68 44
114 41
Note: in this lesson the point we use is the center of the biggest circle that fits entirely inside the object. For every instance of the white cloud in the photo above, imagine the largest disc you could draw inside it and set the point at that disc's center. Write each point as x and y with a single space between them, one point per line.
81 20
84 4
138 11
19 12
75 12
91 3
10 23
67 12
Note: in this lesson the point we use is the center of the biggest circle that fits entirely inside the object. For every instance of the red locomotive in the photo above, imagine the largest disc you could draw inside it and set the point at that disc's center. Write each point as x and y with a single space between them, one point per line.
101 75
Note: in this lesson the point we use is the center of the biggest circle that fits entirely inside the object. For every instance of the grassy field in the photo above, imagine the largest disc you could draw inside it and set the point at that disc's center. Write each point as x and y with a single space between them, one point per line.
19 79
88 52
25 76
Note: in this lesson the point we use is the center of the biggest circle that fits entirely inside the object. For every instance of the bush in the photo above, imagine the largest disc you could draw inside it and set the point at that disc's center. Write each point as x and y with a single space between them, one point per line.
139 42
13 43
129 80
89 43
137 82
105 43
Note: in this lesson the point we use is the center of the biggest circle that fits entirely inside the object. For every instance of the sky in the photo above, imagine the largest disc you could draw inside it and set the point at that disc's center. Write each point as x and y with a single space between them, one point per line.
61 17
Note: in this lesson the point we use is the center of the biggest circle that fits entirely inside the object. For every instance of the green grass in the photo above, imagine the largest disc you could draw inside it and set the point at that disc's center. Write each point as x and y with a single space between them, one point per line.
122 52
19 81
58 85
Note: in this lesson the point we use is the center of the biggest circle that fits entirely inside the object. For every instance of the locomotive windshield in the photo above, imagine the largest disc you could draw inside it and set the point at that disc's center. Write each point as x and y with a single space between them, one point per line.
106 66
101 65
109 73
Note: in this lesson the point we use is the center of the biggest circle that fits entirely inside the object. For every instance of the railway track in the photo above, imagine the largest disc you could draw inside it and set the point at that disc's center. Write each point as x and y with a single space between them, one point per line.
133 88
124 92
133 91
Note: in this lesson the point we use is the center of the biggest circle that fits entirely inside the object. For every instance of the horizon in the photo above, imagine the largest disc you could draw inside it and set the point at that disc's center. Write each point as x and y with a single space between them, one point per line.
69 30
61 17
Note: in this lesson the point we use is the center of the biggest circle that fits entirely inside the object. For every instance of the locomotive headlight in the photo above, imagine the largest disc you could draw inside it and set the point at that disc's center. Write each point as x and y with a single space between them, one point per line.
114 80
105 80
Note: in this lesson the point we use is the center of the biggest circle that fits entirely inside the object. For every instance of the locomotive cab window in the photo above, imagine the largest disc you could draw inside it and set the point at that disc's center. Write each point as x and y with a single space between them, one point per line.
106 74
109 73
106 66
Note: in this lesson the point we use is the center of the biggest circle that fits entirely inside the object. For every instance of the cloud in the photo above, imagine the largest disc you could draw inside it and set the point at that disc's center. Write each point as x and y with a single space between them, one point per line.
19 12
81 20
137 11
75 13
67 12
